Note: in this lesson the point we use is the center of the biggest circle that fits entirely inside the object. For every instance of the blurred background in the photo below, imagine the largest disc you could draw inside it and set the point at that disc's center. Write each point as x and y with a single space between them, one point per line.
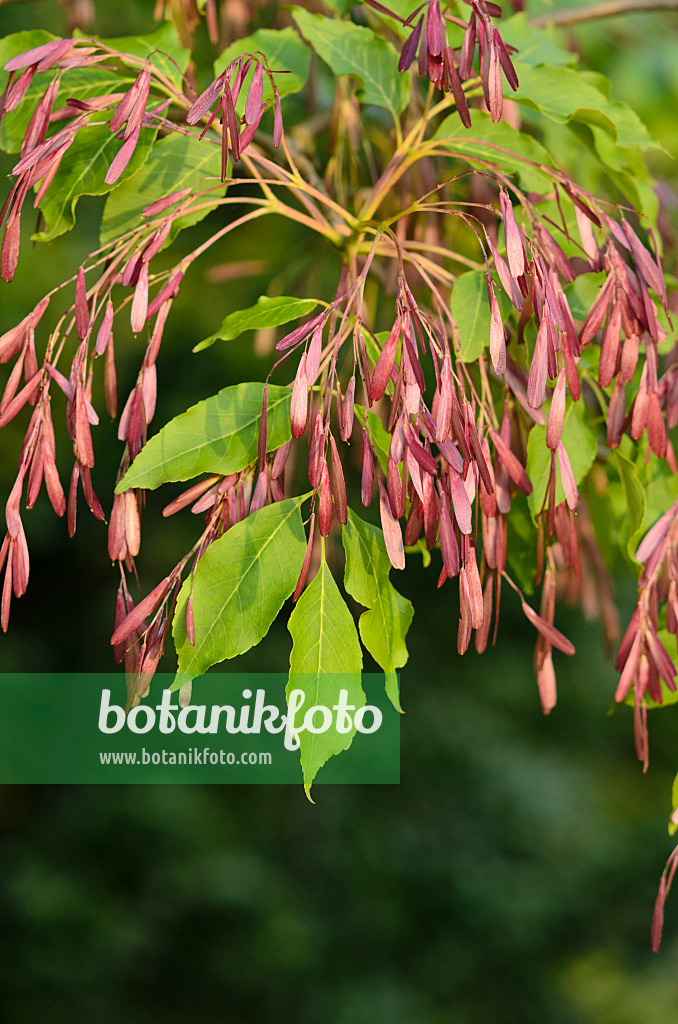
509 878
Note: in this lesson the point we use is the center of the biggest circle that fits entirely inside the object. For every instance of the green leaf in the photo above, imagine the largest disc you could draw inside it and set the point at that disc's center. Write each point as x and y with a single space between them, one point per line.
564 95
635 497
521 546
580 445
353 50
533 45
268 312
161 47
674 805
325 659
82 172
660 485
581 293
384 625
176 162
283 50
340 6
485 143
625 166
240 585
420 549
219 435
471 311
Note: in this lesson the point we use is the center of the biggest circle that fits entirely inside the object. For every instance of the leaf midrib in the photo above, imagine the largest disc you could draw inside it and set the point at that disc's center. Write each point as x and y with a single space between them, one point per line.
198 648
188 451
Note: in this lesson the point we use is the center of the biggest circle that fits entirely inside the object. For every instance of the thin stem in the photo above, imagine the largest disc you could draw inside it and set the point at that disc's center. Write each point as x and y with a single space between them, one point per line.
605 9
296 182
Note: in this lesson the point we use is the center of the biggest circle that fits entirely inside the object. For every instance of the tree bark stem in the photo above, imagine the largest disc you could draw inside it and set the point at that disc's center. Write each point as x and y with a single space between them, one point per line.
596 11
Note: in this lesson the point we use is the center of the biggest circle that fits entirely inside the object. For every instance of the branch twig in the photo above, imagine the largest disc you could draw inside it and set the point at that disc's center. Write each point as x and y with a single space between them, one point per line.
596 11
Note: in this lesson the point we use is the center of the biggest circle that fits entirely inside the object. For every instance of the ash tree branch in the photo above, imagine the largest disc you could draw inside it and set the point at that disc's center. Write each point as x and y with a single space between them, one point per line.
605 9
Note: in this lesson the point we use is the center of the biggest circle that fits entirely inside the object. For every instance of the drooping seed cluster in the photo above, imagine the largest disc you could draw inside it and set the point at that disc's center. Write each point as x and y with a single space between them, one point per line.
446 69
443 444
454 463
89 321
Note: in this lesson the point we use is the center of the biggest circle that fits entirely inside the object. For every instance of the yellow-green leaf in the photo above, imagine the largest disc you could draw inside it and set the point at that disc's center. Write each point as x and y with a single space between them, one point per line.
325 659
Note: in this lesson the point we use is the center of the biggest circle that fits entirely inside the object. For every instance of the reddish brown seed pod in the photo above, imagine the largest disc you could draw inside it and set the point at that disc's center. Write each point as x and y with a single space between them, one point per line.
134 618
629 357
260 495
423 457
548 631
554 424
505 59
497 336
301 582
367 480
656 427
338 484
316 452
514 244
435 30
409 50
483 632
468 49
640 407
546 682
277 121
616 414
81 308
382 371
536 381
325 502
347 413
299 404
448 542
255 95
444 412
414 524
140 300
393 487
460 502
609 349
475 590
280 460
313 355
465 628
122 158
596 314
629 668
393 538
263 431
513 466
452 83
431 511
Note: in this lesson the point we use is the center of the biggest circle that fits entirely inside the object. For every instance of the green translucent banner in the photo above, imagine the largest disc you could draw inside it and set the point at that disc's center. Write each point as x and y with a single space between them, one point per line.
236 728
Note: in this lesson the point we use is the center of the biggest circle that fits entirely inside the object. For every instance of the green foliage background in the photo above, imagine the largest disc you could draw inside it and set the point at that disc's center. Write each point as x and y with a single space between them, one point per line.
510 877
